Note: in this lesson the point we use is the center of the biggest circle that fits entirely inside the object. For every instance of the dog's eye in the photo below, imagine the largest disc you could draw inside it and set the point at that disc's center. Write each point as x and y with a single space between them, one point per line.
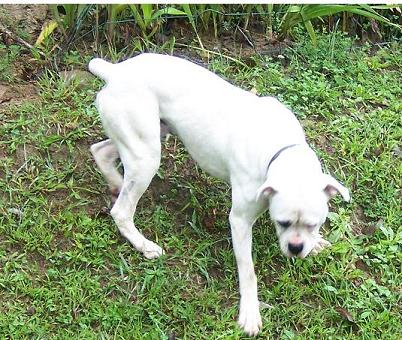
284 224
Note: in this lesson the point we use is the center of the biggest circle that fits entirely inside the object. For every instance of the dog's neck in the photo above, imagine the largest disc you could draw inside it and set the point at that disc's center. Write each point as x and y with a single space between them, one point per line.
278 153
298 161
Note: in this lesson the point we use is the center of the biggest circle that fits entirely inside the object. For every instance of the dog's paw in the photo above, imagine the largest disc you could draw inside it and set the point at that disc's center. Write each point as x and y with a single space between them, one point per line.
320 244
250 319
151 250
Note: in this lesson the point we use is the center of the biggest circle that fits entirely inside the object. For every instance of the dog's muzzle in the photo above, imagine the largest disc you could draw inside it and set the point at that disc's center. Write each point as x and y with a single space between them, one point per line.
295 248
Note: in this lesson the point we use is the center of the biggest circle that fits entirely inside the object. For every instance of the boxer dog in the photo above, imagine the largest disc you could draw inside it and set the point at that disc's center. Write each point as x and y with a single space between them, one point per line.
253 143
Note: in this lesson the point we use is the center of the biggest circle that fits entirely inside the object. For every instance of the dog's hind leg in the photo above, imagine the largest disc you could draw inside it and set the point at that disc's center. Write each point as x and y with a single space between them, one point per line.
105 154
135 132
139 169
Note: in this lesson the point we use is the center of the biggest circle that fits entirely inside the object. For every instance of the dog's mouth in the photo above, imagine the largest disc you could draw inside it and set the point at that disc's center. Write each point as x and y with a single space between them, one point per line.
293 256
290 252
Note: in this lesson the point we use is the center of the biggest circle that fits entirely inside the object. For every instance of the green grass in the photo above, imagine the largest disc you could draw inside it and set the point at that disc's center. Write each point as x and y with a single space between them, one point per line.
67 272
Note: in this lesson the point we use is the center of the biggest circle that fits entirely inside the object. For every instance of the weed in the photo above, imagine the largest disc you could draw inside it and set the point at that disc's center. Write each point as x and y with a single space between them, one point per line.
8 55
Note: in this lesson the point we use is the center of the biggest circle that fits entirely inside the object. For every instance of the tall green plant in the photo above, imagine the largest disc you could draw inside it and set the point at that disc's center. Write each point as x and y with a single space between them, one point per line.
305 13
113 12
209 14
279 19
149 17
69 19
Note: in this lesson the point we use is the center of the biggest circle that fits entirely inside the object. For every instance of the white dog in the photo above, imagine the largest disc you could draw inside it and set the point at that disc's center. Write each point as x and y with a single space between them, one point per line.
254 143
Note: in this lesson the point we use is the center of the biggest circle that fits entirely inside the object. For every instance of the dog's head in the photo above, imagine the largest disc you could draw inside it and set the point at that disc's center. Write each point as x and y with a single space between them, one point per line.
299 208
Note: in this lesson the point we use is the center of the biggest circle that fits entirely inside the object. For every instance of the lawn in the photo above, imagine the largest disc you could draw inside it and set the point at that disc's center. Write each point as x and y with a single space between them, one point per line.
67 272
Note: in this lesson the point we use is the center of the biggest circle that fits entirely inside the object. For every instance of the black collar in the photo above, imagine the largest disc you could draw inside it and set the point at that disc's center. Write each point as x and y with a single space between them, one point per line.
279 152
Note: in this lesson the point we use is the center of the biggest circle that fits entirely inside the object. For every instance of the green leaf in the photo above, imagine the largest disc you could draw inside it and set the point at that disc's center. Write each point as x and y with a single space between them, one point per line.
189 14
167 11
138 18
146 13
331 289
311 32
46 32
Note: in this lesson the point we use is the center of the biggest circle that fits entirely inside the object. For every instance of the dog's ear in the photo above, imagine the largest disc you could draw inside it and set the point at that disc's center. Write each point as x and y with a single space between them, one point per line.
265 191
333 187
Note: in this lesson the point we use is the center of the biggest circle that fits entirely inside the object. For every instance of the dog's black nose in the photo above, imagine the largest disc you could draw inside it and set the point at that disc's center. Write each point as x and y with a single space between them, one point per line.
295 248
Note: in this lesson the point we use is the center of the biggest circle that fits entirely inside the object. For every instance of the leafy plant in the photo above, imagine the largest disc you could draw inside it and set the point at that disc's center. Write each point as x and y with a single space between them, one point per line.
279 20
306 13
72 13
113 12
149 17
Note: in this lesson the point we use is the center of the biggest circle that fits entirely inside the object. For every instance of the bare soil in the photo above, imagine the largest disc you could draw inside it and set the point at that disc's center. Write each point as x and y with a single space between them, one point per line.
24 17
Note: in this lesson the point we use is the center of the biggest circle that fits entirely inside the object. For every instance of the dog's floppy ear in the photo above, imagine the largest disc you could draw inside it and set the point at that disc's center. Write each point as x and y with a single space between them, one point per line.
265 191
333 187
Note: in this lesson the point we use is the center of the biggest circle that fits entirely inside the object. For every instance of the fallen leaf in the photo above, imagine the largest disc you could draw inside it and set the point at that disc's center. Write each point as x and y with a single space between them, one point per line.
345 314
359 264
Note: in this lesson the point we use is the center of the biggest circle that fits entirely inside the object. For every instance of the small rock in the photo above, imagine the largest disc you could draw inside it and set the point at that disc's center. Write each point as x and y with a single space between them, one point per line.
397 151
15 211
31 310
378 150
81 78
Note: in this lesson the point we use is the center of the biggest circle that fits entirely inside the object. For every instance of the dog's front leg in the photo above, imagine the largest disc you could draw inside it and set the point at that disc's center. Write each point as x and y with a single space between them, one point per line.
249 315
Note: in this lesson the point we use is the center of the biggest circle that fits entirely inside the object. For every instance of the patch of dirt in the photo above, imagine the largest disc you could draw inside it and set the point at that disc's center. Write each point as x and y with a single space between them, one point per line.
3 152
23 152
236 42
369 272
35 257
246 44
216 272
61 242
4 96
324 143
28 18
359 264
361 224
345 314
16 94
81 158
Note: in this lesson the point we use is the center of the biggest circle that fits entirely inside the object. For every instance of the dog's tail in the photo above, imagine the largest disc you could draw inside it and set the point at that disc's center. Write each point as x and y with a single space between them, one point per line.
101 68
